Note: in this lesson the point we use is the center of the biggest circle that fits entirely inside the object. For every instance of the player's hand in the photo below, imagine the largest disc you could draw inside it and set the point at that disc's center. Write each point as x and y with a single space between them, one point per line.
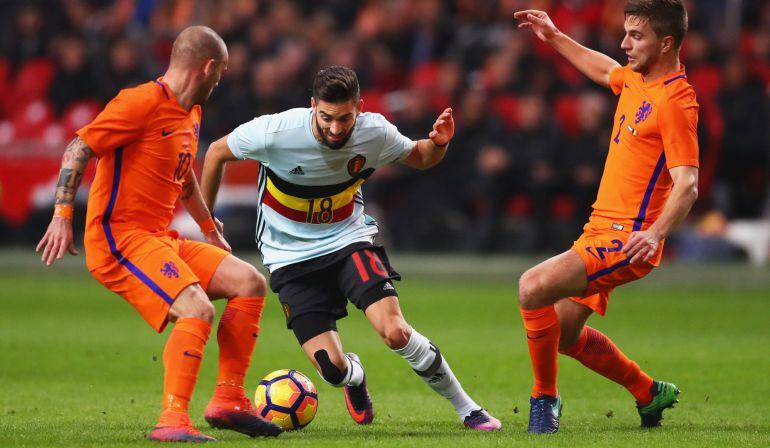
538 22
641 246
216 239
443 128
219 225
57 241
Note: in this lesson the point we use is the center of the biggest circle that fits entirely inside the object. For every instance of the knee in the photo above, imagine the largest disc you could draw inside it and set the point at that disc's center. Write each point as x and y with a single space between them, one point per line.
571 329
396 335
530 291
194 303
253 283
569 336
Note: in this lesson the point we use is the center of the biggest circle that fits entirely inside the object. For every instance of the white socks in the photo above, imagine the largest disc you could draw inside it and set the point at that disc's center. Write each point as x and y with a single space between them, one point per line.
353 376
426 360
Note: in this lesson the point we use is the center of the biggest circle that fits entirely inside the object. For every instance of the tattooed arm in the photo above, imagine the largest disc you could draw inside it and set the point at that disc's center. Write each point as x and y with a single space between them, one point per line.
58 238
192 198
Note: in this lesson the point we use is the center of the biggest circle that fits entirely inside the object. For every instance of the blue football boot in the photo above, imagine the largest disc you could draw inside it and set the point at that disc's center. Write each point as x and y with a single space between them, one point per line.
544 413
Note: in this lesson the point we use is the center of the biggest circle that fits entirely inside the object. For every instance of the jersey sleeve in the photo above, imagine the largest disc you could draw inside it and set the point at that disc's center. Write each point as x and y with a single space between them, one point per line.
678 124
396 146
248 141
121 122
617 78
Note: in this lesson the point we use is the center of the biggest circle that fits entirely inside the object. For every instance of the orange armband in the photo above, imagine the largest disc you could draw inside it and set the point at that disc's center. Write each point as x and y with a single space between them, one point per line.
63 211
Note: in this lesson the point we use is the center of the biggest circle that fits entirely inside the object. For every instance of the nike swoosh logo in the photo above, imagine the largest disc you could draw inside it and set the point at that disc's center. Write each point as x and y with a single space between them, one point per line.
537 337
191 355
165 133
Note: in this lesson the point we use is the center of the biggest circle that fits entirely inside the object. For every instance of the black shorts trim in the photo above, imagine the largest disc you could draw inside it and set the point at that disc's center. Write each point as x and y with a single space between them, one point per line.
309 325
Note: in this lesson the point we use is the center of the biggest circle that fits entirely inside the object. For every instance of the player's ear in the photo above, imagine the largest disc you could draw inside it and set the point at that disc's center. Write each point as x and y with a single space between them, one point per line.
208 67
312 102
667 44
360 105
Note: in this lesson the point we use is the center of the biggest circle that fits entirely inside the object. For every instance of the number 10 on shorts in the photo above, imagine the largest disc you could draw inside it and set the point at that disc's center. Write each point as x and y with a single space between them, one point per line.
372 261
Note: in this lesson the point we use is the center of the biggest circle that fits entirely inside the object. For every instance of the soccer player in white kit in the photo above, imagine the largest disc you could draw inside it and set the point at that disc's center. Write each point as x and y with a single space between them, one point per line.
316 240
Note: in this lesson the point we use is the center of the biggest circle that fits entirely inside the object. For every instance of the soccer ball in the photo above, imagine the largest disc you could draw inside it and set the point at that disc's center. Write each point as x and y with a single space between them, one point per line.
287 398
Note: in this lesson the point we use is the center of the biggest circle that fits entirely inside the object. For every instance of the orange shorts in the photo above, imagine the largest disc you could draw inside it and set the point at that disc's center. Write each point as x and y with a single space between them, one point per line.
150 270
606 267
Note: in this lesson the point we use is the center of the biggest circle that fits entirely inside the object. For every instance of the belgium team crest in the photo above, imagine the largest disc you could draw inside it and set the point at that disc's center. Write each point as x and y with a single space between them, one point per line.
356 164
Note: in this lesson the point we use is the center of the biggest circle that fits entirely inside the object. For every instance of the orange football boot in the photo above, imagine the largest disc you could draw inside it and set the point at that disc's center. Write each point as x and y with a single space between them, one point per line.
176 427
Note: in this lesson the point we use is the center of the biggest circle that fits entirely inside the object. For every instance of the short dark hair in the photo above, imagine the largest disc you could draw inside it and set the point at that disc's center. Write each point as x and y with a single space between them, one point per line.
336 84
666 17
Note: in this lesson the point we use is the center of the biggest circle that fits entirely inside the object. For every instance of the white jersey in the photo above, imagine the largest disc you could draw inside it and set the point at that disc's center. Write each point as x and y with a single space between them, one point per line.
310 201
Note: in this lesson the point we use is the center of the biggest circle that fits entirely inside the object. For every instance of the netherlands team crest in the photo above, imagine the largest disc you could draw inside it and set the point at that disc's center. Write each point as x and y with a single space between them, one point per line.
644 111
169 270
356 164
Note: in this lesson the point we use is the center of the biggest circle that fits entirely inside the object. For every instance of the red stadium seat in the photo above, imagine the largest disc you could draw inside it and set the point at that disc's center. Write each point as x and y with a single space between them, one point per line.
56 135
31 83
706 80
519 205
506 107
5 83
563 207
761 69
566 111
374 101
79 114
424 75
32 120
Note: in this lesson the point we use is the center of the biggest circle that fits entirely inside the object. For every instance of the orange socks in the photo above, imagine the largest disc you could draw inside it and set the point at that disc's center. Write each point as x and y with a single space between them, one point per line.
543 332
182 360
597 352
237 334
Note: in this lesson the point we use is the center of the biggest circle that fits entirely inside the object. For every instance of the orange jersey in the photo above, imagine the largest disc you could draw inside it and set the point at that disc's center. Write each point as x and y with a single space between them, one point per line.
655 130
145 143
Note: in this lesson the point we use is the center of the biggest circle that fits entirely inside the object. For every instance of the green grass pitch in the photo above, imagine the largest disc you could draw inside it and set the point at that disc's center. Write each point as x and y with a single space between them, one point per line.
78 367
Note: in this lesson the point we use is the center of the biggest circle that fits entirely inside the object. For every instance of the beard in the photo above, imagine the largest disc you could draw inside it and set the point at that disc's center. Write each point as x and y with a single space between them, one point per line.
643 66
330 144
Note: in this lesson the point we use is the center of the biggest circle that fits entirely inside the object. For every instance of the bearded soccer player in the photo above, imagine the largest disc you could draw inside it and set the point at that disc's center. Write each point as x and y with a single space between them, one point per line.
145 140
316 240
648 187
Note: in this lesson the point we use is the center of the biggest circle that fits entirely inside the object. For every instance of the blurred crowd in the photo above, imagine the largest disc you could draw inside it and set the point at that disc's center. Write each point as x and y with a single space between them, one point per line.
532 132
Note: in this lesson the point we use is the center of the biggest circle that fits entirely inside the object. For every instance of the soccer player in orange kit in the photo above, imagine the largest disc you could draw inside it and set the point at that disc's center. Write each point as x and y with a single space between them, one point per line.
145 141
648 187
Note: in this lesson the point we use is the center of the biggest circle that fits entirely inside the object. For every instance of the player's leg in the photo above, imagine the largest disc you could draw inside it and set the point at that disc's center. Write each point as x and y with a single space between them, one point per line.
150 275
572 320
317 334
607 268
539 289
192 314
427 361
312 304
597 352
224 276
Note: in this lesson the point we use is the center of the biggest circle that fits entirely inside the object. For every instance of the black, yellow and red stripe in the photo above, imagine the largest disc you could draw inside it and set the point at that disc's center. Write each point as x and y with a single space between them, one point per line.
311 204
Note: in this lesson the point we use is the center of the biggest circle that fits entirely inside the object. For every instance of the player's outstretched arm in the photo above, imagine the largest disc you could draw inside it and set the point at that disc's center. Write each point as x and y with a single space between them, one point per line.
58 238
217 156
192 198
642 245
596 66
428 152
